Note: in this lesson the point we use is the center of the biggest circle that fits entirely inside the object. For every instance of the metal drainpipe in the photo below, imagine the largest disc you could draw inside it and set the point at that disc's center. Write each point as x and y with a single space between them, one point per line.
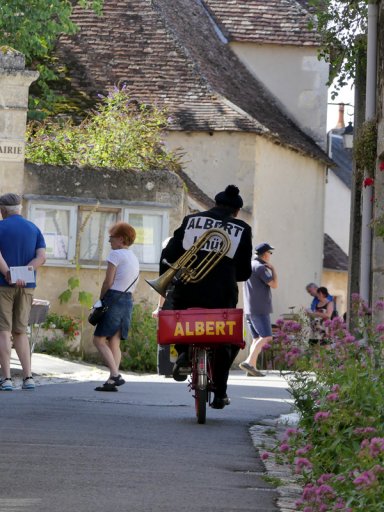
370 113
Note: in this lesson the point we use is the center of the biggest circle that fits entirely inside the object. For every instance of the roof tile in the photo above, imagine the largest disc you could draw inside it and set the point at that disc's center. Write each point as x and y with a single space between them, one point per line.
266 21
168 52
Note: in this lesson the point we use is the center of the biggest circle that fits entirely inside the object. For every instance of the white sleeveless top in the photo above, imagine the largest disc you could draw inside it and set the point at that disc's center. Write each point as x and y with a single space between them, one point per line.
127 269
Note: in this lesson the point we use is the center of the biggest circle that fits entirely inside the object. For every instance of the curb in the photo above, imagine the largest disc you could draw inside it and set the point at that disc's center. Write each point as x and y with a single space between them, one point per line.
265 436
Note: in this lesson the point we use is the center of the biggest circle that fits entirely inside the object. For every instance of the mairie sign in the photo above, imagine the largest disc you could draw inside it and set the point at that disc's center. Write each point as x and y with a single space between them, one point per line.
11 150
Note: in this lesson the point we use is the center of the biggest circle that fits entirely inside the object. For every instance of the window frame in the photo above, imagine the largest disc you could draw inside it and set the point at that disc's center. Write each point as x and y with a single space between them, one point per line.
90 208
48 205
164 214
123 211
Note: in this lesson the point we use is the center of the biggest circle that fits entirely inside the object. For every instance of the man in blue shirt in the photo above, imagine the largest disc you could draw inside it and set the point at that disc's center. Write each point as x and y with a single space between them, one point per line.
21 245
312 290
258 305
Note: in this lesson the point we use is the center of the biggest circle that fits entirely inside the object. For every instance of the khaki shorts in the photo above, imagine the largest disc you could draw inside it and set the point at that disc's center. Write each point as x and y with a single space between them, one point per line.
15 307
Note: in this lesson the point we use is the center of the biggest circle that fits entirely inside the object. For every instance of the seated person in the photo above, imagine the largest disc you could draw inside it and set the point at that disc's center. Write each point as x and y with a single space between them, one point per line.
323 310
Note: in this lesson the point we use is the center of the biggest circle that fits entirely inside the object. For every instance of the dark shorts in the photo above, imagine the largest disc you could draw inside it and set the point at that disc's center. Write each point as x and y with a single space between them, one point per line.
259 325
118 317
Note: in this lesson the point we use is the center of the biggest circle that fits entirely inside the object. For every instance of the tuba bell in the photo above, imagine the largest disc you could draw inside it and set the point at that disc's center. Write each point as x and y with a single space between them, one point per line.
186 269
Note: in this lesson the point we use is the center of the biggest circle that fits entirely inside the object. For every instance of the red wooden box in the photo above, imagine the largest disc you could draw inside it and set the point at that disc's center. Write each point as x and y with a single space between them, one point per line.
201 326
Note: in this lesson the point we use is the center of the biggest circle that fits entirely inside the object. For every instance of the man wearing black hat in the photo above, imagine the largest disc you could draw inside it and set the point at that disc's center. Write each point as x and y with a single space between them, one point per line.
21 245
219 288
258 305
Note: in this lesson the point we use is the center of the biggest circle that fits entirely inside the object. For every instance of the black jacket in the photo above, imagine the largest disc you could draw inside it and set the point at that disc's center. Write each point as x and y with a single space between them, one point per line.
219 288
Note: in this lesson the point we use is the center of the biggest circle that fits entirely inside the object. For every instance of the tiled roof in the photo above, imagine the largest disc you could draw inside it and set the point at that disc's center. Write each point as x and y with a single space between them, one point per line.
194 191
169 53
334 256
264 21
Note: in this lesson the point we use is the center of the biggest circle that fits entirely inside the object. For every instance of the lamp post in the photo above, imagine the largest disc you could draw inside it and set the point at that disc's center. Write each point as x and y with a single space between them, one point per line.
348 136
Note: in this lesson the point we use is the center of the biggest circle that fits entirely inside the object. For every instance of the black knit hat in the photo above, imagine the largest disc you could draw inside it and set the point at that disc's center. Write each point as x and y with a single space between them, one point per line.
230 197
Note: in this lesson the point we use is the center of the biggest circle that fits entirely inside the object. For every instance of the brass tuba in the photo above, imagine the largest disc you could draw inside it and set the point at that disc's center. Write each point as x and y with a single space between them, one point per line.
183 269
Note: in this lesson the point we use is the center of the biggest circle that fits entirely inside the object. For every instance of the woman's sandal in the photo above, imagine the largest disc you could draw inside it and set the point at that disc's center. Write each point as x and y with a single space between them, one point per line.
107 386
119 381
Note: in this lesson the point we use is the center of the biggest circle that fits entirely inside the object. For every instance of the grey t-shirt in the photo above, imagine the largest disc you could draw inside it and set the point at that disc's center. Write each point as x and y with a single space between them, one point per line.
257 292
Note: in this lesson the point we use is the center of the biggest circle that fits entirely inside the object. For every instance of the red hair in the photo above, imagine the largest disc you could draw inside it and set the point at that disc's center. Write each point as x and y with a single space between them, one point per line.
125 231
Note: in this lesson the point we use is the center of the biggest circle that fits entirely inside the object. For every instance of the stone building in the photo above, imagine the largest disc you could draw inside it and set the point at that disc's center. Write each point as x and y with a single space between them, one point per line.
247 95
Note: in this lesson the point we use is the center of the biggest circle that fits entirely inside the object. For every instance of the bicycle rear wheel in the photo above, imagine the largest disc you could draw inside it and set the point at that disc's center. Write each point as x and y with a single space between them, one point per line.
201 405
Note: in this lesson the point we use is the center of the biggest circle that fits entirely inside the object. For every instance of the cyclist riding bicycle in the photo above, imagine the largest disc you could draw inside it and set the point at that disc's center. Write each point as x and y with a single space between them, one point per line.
218 289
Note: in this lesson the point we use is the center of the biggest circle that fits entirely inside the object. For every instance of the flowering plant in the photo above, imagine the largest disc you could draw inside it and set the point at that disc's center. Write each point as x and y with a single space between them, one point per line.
337 449
68 324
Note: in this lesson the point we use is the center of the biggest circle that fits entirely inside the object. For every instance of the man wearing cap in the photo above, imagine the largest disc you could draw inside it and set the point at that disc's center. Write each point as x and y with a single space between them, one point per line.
219 288
21 244
258 305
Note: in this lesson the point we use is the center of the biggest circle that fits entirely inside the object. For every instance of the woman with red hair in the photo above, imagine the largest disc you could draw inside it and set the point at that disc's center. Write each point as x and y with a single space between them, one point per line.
122 273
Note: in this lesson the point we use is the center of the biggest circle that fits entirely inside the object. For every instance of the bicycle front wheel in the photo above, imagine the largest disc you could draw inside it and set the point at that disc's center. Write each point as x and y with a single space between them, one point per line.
201 404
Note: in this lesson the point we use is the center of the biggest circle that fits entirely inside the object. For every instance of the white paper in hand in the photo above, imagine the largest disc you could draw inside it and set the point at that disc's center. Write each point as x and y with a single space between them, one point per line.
23 273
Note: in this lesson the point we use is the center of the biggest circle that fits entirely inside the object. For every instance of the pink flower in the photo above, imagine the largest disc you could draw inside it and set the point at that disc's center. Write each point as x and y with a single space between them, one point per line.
284 447
380 327
291 432
364 430
339 505
366 479
376 446
325 477
309 492
265 456
379 304
321 415
324 490
333 397
302 464
304 450
381 165
335 387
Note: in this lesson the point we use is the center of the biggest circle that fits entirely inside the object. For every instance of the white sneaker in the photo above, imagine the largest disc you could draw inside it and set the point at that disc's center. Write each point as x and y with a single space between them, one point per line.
28 383
6 385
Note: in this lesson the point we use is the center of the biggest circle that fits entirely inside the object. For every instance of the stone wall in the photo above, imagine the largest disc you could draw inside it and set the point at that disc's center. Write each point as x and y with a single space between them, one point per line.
14 85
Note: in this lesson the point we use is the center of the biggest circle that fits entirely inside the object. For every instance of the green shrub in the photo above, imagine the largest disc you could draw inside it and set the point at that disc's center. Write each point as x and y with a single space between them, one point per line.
121 134
140 349
56 346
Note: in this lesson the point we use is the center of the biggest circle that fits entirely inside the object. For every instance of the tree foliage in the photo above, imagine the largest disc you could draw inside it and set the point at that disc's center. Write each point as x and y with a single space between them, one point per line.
32 27
120 134
342 25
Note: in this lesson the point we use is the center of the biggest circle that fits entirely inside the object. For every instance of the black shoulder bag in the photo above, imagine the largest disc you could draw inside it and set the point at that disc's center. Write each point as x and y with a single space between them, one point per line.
97 314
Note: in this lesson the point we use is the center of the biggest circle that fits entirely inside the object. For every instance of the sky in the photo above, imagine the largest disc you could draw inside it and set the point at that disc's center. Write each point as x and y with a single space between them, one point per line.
346 95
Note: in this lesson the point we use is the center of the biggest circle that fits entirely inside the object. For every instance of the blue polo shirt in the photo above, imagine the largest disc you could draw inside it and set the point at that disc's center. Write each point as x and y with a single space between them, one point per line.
257 292
315 302
19 241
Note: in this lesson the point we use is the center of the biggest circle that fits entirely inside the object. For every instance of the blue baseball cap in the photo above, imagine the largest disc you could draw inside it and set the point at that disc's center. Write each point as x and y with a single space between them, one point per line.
263 247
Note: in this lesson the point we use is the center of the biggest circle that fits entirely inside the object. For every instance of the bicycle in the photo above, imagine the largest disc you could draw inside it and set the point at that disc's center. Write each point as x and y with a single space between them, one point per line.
202 330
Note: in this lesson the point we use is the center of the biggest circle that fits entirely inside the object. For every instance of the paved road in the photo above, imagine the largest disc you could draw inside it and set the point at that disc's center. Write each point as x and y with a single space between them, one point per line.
65 447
